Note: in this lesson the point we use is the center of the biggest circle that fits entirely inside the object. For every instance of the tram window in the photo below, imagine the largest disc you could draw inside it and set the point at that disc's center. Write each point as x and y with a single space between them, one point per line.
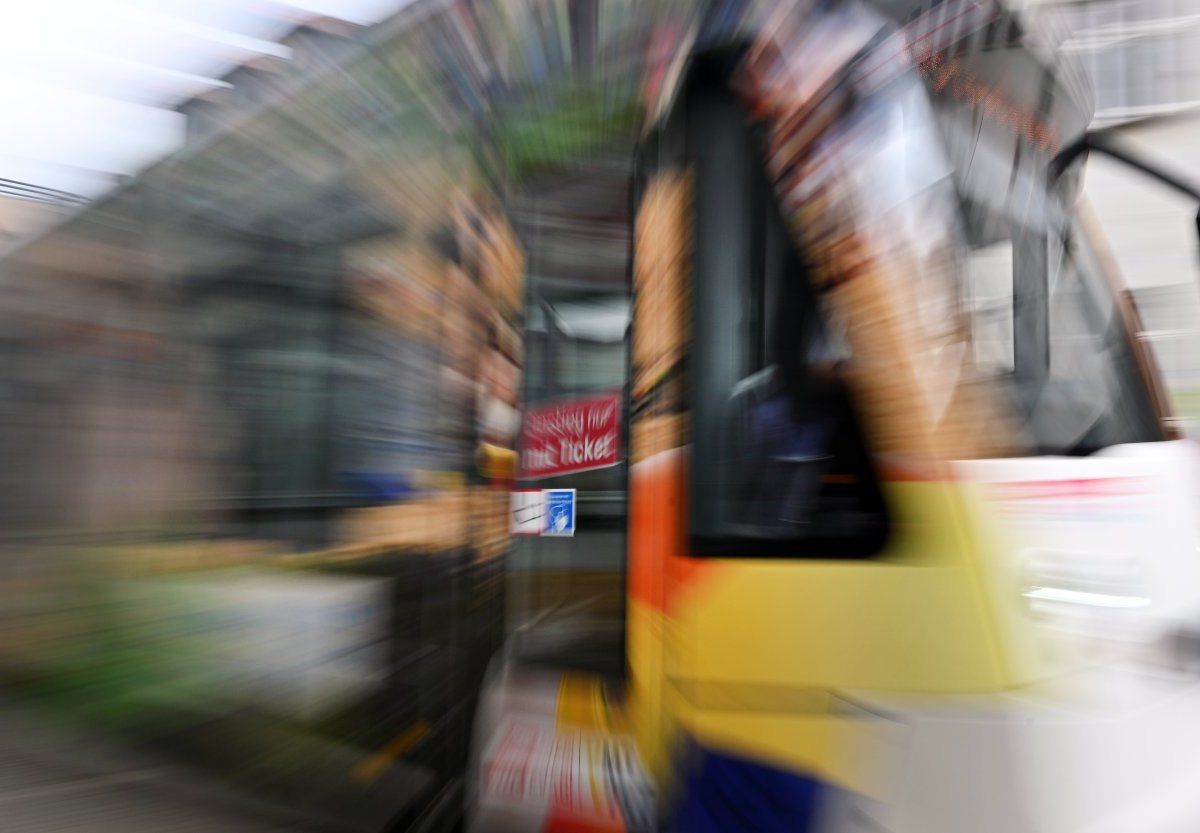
990 302
779 466
1044 321
1093 396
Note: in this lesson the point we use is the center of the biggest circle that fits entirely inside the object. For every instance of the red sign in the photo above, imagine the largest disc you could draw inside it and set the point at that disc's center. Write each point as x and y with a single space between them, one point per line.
567 437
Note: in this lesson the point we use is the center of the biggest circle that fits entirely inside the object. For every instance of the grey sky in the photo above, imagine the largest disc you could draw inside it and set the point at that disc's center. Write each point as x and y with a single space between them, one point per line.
86 86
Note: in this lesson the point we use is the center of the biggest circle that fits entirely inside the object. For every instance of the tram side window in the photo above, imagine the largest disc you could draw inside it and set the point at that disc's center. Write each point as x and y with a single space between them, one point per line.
989 291
779 465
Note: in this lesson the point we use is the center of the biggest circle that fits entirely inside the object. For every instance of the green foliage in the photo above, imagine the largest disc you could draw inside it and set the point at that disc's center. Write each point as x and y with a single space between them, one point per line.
561 131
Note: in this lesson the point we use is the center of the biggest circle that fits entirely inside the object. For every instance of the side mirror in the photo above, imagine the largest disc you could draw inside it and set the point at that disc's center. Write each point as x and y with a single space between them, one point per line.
1103 143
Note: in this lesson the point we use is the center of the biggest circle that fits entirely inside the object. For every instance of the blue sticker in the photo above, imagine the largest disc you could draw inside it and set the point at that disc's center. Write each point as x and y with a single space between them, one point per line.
560 512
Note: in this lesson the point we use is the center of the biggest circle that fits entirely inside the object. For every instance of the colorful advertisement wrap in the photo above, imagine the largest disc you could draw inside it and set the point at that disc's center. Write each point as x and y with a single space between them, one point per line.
574 436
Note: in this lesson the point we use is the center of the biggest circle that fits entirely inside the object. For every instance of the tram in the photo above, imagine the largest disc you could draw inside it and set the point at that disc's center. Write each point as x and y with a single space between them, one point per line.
912 537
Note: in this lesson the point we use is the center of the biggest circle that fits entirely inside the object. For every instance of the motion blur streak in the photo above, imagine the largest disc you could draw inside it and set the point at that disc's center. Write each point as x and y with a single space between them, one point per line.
601 415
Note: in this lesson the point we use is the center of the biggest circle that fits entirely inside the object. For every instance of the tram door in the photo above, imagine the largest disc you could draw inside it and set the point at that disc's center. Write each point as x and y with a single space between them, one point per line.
573 225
